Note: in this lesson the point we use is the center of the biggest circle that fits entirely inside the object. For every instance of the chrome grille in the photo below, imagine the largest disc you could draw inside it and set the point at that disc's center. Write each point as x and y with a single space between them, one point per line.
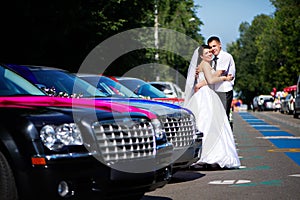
179 129
123 141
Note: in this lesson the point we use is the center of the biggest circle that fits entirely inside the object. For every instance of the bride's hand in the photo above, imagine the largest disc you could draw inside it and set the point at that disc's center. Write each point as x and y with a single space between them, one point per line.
199 85
197 71
196 88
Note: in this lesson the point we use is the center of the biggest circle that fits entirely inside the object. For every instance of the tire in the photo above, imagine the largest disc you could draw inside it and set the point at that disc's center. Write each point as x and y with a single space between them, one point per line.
8 189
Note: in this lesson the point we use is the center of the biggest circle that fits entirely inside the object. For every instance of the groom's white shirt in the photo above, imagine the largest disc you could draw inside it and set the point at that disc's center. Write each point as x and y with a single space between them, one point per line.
225 62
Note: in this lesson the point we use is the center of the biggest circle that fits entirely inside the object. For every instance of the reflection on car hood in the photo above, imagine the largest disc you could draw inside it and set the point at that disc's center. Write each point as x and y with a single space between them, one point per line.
46 101
160 108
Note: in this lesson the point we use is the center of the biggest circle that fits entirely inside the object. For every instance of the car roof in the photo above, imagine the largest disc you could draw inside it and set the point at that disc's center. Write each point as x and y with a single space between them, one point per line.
35 67
131 79
161 82
87 75
127 78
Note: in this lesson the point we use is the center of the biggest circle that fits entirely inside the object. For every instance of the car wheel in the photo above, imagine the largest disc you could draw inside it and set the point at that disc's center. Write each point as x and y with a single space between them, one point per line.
8 189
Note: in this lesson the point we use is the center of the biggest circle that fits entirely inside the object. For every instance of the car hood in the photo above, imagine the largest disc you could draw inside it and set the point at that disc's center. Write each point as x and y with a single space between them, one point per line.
46 101
157 107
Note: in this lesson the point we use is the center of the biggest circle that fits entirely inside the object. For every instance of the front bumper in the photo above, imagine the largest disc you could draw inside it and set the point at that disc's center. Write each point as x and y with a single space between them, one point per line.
83 176
184 157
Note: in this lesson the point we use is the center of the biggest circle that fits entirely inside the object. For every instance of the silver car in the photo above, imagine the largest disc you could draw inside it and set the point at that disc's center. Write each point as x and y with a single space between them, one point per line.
287 105
297 100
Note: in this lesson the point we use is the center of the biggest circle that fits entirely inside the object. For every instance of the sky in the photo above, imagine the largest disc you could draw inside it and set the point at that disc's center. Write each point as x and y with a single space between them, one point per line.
223 17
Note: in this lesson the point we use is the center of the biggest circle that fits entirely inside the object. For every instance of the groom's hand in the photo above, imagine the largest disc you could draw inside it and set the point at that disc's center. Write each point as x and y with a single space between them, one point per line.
229 77
220 72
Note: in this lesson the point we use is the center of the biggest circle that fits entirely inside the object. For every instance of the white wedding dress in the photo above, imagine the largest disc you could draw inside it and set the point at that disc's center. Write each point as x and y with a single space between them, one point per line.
218 142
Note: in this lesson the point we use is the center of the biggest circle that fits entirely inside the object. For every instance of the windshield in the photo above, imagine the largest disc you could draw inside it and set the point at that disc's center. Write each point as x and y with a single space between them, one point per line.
66 83
57 82
142 88
109 86
11 84
161 86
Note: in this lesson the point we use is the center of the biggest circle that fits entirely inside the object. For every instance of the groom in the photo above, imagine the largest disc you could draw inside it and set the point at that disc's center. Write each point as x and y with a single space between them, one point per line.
223 63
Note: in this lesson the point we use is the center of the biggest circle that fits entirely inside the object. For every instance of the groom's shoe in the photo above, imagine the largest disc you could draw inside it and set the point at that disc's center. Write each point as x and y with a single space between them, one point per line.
199 166
214 166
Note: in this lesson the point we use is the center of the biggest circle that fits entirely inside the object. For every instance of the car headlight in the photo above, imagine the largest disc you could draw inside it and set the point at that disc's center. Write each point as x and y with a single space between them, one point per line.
56 137
159 132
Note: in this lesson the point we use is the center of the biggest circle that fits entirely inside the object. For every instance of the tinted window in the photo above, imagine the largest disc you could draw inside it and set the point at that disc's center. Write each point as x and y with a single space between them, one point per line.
142 88
110 87
12 84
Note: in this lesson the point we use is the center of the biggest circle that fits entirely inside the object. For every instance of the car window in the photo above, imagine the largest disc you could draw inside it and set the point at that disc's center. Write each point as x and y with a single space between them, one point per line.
142 88
57 82
110 87
161 87
148 90
12 84
133 85
65 82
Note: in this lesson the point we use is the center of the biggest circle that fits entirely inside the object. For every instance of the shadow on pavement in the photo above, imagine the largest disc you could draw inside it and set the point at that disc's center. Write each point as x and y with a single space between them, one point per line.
184 176
147 197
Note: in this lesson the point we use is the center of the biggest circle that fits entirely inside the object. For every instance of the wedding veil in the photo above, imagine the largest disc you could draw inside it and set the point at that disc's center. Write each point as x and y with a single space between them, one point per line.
190 80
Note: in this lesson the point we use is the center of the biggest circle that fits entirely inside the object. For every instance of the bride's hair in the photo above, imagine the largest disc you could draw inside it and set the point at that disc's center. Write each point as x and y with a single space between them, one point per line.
200 52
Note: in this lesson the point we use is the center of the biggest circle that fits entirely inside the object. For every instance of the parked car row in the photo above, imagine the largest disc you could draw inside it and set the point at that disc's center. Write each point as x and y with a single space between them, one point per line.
71 138
268 102
263 102
287 104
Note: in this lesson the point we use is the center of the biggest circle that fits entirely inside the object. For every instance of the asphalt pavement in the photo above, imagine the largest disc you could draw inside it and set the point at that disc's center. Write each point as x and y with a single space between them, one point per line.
268 145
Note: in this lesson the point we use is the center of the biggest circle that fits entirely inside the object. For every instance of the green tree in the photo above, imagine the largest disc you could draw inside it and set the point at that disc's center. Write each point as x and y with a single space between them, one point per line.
267 51
287 25
175 15
251 76
180 16
61 33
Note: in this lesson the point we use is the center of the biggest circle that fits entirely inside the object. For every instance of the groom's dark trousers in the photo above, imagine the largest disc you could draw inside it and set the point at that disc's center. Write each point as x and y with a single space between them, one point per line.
226 98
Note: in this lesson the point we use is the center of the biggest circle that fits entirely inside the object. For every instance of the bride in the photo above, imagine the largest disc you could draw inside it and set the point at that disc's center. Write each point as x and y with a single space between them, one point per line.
218 143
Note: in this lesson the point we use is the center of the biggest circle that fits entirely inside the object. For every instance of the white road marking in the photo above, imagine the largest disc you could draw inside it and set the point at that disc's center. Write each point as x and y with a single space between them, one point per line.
242 181
295 175
228 182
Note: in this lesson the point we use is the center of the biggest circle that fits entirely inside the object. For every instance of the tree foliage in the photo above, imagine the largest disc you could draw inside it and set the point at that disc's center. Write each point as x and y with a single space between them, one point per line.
62 32
267 51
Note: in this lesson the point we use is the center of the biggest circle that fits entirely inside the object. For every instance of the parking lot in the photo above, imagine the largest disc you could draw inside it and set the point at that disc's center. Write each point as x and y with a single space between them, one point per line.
269 148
